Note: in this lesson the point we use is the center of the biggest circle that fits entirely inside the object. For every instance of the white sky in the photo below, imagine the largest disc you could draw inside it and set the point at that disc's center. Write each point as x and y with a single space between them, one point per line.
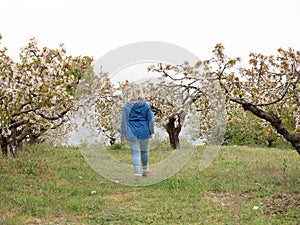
94 27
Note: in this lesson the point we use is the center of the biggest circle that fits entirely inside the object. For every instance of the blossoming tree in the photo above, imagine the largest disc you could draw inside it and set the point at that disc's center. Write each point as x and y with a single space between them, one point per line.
169 103
268 87
36 92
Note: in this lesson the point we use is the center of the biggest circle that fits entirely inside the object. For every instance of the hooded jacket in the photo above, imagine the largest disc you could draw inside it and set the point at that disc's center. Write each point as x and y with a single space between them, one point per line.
137 121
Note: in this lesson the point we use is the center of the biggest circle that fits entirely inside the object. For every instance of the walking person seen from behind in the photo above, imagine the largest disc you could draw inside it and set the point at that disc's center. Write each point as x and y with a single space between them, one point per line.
137 127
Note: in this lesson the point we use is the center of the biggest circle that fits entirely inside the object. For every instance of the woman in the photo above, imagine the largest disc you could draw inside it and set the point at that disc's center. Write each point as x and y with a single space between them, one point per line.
137 127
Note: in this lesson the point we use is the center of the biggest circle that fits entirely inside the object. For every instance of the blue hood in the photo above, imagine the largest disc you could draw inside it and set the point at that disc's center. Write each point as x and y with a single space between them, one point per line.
137 120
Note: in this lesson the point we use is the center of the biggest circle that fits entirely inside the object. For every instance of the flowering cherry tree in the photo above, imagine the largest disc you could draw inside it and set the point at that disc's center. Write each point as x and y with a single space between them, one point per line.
36 92
268 87
169 103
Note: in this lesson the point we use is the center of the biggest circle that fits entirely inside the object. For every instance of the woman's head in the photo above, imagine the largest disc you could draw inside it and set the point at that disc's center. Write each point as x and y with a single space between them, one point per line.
136 92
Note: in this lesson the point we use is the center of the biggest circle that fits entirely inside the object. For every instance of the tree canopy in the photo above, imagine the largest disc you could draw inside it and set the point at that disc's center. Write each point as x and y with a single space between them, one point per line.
36 92
268 86
169 104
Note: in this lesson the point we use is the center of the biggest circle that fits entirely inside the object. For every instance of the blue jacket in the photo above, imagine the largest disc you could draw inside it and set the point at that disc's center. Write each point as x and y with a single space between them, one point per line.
137 121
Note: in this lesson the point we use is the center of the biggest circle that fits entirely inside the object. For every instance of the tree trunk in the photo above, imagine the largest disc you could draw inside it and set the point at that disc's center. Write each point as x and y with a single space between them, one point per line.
8 149
271 144
12 149
276 122
13 143
33 139
173 132
112 141
10 145
4 148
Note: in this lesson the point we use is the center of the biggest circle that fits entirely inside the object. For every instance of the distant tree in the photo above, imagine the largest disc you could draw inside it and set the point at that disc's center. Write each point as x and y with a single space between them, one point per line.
169 104
244 128
36 92
109 104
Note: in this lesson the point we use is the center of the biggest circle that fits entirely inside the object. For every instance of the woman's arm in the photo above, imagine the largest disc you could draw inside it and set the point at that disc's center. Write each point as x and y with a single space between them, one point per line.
124 123
150 121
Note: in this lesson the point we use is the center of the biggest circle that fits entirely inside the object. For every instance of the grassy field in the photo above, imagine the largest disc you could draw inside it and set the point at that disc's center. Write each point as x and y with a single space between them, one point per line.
54 185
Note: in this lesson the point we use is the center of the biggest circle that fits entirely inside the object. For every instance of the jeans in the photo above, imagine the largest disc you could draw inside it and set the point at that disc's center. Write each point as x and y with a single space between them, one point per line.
139 150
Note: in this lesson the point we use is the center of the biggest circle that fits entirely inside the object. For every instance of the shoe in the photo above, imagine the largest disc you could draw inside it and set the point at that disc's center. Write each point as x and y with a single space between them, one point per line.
146 173
137 176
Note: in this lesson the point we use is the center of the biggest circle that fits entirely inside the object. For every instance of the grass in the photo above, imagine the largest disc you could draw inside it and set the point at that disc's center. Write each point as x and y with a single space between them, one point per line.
54 185
123 154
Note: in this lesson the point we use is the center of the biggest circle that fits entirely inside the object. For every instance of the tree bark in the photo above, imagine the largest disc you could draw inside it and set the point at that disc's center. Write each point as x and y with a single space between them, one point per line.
173 133
271 144
10 145
112 141
276 122
8 149
12 149
4 147
33 139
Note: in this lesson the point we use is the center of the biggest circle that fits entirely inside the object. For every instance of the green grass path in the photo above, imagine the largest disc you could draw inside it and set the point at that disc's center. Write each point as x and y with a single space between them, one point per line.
244 185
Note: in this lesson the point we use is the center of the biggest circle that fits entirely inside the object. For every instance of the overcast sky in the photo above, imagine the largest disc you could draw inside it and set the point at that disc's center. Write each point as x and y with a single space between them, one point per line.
94 27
